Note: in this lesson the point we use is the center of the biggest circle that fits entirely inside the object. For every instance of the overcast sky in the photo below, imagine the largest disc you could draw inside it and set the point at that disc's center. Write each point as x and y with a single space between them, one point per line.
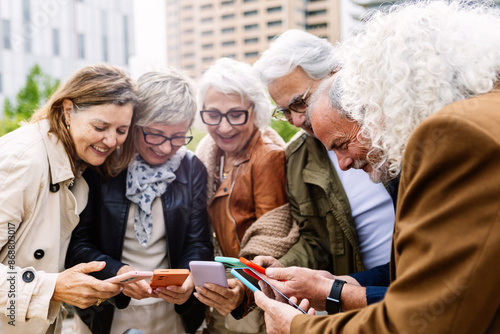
150 37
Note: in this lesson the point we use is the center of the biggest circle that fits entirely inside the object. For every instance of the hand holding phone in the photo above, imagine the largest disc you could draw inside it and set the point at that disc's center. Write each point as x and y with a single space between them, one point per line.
166 277
129 277
252 283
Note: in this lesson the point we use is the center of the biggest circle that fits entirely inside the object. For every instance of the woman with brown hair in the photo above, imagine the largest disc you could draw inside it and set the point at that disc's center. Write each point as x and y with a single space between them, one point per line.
42 193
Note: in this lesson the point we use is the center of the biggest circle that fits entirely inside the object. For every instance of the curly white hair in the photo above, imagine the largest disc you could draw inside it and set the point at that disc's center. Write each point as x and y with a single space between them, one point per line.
406 64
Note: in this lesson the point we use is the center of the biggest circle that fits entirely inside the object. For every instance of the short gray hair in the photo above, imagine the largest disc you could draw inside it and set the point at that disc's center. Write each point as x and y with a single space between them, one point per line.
229 76
165 97
294 48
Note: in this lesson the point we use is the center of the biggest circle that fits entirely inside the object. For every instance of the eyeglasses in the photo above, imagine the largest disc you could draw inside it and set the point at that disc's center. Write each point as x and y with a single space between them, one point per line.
156 139
299 105
233 117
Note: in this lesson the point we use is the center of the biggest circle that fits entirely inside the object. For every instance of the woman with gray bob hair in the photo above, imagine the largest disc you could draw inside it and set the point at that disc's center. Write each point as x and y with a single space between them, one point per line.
151 216
245 161
231 77
166 97
294 48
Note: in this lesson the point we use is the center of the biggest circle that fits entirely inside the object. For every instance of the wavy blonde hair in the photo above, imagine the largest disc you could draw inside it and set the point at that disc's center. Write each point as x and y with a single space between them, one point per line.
91 86
406 64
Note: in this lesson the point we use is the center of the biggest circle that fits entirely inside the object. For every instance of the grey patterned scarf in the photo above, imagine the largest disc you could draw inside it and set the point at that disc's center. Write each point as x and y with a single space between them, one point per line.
144 184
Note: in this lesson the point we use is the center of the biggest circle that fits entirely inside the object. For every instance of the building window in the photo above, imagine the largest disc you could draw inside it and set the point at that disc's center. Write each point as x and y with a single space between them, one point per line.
188 55
274 9
208 6
250 13
228 30
207 33
270 37
188 19
206 19
274 23
27 26
251 40
249 0
227 3
6 34
188 31
316 12
228 43
228 16
188 43
207 59
316 26
230 55
207 46
104 27
81 46
251 27
125 39
188 7
56 49
251 54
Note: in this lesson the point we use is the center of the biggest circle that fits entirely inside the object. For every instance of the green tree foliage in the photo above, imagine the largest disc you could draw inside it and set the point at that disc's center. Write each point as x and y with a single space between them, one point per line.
285 129
39 86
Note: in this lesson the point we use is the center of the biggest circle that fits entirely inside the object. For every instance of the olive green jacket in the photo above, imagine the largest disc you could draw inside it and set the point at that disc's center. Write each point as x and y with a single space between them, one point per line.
328 238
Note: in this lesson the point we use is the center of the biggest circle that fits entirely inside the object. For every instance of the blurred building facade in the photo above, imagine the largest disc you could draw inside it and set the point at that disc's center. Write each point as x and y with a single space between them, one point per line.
201 31
61 36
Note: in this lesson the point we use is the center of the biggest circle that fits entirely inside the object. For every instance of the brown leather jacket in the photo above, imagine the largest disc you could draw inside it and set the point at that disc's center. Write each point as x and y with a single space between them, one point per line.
255 185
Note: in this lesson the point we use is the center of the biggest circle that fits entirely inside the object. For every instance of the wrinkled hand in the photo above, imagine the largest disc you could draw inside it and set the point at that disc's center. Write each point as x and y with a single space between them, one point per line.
75 287
224 300
267 261
279 315
138 289
302 283
176 294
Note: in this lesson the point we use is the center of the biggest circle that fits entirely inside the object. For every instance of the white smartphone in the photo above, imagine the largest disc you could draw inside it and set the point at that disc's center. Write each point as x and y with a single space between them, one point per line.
129 277
208 272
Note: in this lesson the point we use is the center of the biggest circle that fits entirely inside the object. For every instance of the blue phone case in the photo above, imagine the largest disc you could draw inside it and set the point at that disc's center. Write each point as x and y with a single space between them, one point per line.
244 280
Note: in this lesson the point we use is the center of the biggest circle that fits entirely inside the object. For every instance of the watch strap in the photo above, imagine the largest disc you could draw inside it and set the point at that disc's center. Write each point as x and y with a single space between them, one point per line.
333 304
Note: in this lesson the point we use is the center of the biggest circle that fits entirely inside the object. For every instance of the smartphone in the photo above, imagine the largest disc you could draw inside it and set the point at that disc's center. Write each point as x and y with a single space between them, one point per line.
230 262
251 281
252 265
129 277
208 272
166 277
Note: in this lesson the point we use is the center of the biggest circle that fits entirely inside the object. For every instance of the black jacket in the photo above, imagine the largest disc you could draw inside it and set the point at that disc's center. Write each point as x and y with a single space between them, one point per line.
100 234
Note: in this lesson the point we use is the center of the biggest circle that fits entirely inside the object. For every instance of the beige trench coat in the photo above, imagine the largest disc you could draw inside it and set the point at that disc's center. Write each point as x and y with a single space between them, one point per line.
38 212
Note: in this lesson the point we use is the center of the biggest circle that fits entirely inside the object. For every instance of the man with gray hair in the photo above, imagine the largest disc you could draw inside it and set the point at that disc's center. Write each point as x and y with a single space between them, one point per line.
345 220
418 94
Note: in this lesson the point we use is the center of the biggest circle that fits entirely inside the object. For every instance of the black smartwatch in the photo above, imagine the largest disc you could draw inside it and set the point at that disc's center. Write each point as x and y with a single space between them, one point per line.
333 304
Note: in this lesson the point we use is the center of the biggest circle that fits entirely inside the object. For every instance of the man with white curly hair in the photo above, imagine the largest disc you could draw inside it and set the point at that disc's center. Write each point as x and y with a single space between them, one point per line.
418 93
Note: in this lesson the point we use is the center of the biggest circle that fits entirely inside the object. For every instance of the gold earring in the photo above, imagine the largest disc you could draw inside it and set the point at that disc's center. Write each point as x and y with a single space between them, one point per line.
67 127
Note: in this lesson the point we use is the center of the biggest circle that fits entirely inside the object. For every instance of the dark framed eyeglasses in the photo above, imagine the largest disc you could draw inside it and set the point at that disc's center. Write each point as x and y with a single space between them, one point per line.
299 106
233 117
156 139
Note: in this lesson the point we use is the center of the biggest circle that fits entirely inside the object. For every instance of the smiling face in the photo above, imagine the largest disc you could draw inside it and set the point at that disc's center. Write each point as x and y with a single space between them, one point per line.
158 154
341 135
290 88
97 131
229 138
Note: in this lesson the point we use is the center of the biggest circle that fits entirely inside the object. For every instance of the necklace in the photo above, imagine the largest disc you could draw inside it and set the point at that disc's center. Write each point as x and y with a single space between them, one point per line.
224 172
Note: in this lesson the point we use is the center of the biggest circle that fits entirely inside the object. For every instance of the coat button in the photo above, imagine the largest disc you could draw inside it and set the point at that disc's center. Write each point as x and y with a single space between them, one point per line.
28 276
39 253
225 189
54 187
